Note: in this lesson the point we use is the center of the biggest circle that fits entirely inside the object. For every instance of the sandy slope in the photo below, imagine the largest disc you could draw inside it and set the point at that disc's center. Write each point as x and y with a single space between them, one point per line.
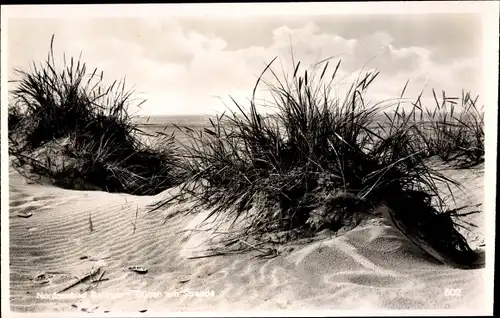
372 267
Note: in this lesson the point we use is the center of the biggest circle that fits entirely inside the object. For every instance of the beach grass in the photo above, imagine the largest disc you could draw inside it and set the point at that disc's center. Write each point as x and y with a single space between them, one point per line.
320 162
69 128
453 129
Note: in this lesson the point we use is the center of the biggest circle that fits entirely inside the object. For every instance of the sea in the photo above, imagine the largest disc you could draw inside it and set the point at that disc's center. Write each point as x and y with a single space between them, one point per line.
175 124
171 124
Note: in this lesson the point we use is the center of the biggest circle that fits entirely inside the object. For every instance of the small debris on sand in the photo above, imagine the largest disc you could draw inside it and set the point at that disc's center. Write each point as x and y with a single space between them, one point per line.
138 269
25 215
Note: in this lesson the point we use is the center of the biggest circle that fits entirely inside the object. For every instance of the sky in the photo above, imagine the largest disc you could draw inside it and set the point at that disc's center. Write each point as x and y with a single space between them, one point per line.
191 64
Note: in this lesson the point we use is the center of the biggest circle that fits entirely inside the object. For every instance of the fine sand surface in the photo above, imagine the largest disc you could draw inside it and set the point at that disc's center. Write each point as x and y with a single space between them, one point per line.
371 267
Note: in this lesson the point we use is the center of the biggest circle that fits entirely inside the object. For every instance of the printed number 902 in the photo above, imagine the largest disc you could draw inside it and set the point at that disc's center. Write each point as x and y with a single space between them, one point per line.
455 292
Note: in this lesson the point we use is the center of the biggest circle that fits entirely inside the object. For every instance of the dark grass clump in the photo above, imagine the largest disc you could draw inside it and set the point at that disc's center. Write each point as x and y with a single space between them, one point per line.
453 130
15 117
77 133
318 163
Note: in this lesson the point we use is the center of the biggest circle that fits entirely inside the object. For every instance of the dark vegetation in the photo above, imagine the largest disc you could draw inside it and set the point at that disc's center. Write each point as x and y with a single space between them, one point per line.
322 162
70 129
453 130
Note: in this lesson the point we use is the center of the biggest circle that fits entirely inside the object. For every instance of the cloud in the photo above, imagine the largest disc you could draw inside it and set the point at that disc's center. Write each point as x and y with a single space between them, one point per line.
180 67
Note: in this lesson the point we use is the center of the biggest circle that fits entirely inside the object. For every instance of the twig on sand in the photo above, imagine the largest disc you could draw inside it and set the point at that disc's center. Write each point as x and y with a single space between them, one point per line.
95 281
134 224
269 251
210 255
100 279
90 274
91 225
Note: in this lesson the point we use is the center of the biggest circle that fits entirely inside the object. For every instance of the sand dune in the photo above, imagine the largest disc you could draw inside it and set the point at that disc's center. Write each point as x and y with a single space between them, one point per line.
369 268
